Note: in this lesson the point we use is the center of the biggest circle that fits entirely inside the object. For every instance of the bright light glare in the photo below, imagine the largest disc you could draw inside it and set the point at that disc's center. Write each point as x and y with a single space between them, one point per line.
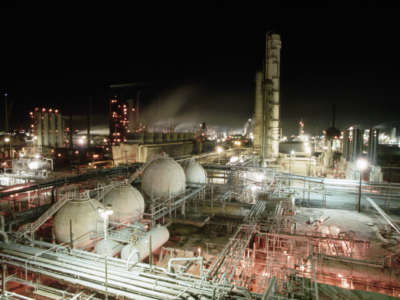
233 159
362 164
6 139
220 149
37 156
33 165
105 212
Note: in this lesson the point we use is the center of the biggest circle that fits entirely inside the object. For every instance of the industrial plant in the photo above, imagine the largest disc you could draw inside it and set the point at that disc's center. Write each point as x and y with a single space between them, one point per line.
155 212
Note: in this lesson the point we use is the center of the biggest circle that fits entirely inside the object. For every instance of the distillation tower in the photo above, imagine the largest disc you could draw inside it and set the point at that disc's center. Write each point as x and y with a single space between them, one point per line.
267 130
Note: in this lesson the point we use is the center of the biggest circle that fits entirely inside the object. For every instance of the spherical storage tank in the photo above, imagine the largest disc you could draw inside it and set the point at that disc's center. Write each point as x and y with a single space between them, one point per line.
163 177
127 203
82 215
195 173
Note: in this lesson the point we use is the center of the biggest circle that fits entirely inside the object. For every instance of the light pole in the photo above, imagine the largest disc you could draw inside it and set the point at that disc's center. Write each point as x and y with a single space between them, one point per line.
362 164
105 213
219 151
8 141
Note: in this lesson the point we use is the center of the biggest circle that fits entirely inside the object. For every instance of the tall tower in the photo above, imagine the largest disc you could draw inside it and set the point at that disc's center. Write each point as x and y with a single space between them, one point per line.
266 108
258 113
272 74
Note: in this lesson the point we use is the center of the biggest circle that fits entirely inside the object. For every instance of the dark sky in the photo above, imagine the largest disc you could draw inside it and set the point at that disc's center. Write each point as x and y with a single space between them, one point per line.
347 55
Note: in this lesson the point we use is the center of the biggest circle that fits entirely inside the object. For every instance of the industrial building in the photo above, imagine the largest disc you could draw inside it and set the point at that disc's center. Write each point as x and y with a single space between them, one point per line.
178 220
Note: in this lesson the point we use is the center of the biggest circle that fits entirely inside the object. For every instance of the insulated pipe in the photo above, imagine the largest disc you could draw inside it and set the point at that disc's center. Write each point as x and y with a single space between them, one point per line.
2 223
93 275
200 259
138 252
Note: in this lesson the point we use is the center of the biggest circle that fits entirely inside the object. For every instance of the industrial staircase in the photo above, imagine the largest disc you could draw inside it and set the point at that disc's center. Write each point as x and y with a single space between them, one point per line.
32 227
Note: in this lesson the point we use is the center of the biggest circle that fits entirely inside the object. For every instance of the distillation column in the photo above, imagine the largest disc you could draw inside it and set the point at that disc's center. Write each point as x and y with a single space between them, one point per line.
272 74
258 113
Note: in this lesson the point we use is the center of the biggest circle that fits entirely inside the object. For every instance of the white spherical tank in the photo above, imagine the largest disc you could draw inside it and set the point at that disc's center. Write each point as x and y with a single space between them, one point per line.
195 173
83 217
138 252
163 177
127 204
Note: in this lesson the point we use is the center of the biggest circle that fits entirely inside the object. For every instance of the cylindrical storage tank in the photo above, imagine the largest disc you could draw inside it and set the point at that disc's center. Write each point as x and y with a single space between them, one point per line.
166 137
83 217
148 138
181 136
163 177
138 252
127 204
174 136
195 173
108 247
158 137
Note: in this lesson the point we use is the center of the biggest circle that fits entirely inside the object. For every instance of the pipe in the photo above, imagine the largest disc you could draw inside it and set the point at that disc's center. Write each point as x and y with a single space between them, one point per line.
2 223
3 279
5 236
138 252
199 258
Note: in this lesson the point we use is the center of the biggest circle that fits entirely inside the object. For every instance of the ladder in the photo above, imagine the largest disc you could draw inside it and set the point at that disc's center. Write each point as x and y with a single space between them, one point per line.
32 227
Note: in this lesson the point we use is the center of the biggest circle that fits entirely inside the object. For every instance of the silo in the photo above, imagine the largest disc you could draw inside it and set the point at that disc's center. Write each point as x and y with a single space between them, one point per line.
39 136
45 127
60 130
52 131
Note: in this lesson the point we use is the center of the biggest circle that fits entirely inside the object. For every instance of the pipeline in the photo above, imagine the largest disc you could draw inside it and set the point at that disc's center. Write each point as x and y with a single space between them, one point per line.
200 259
2 226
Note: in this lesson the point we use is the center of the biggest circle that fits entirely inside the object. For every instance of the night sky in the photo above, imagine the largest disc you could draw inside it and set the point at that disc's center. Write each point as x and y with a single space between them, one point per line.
206 57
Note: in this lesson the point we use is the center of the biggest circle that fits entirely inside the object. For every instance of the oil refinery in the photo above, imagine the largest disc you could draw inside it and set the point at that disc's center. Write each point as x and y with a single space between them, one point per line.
153 212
